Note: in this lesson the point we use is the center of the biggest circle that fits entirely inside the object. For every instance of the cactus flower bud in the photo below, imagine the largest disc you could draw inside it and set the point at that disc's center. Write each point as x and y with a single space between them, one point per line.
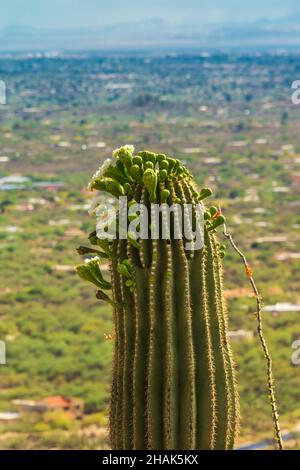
150 181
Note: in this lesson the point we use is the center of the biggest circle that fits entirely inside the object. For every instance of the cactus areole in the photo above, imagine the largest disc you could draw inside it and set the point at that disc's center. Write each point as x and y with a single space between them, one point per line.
173 381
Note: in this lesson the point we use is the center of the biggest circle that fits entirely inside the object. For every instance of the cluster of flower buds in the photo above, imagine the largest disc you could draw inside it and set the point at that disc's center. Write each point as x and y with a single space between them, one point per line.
214 218
125 268
122 176
104 245
221 250
90 271
148 169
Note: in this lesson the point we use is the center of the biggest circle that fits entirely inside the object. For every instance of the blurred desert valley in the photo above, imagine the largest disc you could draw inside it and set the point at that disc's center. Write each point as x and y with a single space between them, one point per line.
231 119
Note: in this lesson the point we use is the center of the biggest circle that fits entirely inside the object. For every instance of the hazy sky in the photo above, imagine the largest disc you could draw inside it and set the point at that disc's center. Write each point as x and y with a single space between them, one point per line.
76 13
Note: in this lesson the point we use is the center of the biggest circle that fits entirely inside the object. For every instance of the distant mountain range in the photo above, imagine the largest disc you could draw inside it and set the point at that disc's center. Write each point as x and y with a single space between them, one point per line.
155 33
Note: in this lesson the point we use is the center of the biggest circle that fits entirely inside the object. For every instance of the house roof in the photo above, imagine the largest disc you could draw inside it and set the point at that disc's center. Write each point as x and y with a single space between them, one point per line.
57 401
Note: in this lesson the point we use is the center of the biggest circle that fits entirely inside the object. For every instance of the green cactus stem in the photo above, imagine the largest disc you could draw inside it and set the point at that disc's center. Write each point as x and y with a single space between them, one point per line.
173 383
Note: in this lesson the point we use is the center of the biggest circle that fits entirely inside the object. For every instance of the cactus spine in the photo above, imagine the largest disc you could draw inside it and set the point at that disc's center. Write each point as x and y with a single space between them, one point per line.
173 384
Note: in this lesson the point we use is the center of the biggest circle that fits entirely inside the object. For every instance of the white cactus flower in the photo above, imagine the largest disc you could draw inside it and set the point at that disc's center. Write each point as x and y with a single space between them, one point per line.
128 147
100 172
94 259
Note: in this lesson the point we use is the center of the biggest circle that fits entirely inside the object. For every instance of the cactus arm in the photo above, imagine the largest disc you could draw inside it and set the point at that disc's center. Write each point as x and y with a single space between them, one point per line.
155 364
186 360
205 367
128 354
140 357
117 382
171 389
114 384
233 425
205 373
224 403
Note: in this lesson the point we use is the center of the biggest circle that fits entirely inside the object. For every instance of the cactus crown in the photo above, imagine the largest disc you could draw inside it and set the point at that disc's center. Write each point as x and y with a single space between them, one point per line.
173 384
153 178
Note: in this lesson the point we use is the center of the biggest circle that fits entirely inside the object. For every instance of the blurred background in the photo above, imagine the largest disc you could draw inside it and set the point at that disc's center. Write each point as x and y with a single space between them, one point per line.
210 83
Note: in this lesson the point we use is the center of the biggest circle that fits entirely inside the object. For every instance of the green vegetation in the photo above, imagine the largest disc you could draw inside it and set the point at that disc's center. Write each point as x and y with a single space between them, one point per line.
62 117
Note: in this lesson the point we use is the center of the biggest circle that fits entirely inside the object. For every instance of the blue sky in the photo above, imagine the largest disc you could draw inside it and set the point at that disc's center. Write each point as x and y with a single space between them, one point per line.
93 13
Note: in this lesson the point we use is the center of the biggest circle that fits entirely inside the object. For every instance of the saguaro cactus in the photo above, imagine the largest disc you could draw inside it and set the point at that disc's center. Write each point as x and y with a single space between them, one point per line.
173 384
